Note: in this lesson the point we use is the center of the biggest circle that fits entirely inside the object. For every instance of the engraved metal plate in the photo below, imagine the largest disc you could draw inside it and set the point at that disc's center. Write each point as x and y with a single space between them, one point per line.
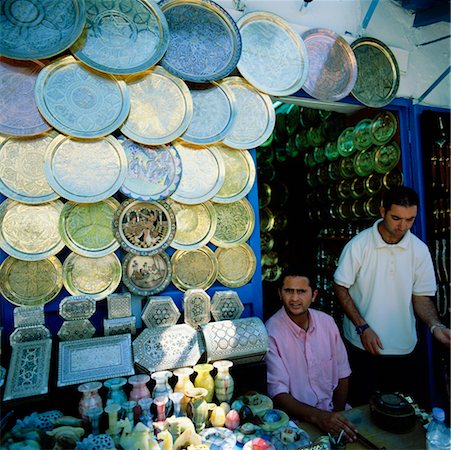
144 228
22 175
196 225
332 65
77 307
161 110
25 316
30 283
87 228
204 43
377 73
19 114
196 307
213 114
146 274
384 127
30 232
386 157
37 30
122 37
255 116
202 174
239 175
72 165
364 162
362 134
81 102
119 305
96 277
274 57
236 223
226 305
160 312
76 329
167 348
153 172
236 265
393 179
29 367
194 269
120 325
27 334
94 359
345 142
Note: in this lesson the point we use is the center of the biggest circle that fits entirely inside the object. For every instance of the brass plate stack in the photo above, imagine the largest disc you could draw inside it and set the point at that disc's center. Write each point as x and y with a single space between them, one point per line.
274 57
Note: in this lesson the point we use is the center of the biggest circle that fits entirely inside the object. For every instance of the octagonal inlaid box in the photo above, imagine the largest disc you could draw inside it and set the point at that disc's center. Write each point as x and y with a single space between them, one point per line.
160 311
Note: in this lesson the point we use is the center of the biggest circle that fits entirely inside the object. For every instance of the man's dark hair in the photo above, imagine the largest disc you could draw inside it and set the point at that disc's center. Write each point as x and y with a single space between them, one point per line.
298 271
402 196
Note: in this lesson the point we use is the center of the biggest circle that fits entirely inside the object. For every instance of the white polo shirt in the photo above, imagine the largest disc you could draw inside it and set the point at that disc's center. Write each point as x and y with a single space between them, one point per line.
381 279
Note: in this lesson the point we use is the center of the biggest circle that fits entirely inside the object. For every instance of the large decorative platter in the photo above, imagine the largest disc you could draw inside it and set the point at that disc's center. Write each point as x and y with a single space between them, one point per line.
167 348
85 171
19 114
144 228
364 162
38 30
96 277
236 223
22 175
161 107
81 102
31 283
377 73
255 115
204 43
153 172
146 275
196 225
383 128
202 175
239 175
274 57
236 265
213 114
122 37
87 228
30 232
79 362
332 65
386 157
194 269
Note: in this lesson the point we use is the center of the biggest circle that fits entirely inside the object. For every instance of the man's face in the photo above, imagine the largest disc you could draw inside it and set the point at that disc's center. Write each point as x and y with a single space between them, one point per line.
296 295
397 221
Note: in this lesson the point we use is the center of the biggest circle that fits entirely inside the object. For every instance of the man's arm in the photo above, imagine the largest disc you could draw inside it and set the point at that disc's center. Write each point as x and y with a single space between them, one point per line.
341 394
425 309
327 421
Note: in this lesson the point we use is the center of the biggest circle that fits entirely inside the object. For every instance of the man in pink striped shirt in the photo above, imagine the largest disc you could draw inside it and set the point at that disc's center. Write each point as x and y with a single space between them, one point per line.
307 363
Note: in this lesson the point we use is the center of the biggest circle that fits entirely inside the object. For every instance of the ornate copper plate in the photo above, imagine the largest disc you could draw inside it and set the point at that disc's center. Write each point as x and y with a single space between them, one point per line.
96 277
213 114
19 114
144 228
332 65
345 142
22 175
235 223
378 73
274 57
85 171
122 37
236 265
37 30
194 269
386 157
204 44
239 175
202 174
146 275
362 134
384 127
196 225
81 102
87 228
392 179
30 232
161 107
31 283
364 162
255 115
153 172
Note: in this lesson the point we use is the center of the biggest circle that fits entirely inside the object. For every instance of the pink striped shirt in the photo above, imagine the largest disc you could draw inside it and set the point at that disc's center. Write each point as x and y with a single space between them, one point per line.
306 364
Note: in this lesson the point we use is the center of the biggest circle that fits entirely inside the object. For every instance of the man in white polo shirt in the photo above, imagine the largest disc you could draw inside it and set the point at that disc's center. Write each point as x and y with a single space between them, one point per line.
384 279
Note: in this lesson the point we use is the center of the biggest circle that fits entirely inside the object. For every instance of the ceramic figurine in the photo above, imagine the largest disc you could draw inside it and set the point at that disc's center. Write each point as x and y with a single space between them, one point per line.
187 438
142 438
90 398
197 408
224 384
183 383
167 441
205 380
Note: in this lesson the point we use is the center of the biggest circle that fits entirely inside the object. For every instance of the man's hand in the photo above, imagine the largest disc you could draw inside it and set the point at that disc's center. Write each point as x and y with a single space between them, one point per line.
371 342
443 335
334 423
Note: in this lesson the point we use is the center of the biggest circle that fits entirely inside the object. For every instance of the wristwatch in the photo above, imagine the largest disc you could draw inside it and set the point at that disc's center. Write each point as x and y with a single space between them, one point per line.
361 328
436 325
